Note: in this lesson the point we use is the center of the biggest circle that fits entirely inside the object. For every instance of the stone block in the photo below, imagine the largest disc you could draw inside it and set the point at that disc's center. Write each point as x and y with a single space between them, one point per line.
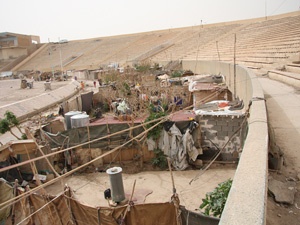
217 128
203 123
222 122
211 135
226 128
212 122
222 134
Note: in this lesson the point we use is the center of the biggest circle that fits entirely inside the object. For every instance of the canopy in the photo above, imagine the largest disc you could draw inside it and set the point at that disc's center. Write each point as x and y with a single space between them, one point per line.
17 147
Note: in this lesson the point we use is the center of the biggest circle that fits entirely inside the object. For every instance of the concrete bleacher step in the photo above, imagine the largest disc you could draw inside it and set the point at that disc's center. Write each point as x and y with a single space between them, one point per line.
293 67
292 79
261 72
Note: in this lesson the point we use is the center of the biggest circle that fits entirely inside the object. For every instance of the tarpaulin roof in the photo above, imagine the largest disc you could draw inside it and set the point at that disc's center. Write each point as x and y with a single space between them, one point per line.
219 107
163 77
17 147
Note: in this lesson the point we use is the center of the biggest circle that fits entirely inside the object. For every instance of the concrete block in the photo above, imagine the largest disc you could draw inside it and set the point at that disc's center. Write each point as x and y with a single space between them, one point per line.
203 122
227 128
211 135
222 134
217 128
212 122
222 122
235 123
235 128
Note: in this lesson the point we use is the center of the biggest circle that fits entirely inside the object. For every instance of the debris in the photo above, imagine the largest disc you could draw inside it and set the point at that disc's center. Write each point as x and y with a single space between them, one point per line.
283 192
291 179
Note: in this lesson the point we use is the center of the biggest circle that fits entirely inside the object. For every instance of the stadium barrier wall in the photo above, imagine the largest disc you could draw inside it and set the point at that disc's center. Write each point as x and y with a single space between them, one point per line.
246 203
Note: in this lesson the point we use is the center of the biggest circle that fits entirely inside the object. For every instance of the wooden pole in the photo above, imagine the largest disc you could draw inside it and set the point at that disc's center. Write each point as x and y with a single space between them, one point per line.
89 140
175 198
13 211
63 150
80 167
218 50
29 135
234 66
129 204
34 171
170 168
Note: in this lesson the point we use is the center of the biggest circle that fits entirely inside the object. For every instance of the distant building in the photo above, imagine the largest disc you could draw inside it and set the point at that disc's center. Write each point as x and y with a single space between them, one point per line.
15 45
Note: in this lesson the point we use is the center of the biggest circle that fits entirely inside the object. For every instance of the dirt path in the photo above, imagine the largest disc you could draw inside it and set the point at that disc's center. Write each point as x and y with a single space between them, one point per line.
151 186
283 106
11 91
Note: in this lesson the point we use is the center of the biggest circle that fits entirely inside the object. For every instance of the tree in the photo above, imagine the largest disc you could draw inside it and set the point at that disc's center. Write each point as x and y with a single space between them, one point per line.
9 121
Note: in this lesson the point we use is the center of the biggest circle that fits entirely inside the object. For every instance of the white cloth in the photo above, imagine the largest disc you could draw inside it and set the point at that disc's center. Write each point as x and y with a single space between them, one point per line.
188 145
173 148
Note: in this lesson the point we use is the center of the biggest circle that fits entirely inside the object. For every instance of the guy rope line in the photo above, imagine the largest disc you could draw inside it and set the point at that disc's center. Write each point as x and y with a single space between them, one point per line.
98 139
221 150
18 198
70 148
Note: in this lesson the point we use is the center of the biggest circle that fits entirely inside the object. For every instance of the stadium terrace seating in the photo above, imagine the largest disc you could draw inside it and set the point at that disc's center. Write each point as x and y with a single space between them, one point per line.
259 42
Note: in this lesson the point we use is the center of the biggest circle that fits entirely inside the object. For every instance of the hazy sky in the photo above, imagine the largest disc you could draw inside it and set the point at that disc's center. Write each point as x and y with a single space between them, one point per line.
82 19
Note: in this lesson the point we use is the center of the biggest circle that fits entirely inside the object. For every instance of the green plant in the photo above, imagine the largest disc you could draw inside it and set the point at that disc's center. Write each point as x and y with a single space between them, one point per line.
154 132
160 159
176 73
105 107
214 202
144 67
9 121
126 89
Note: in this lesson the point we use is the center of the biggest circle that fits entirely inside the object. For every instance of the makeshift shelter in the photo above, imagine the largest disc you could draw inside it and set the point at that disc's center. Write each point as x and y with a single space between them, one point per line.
18 147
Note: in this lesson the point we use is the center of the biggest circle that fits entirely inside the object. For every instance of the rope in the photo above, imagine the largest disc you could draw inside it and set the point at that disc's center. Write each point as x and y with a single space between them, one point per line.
216 156
6 204
63 150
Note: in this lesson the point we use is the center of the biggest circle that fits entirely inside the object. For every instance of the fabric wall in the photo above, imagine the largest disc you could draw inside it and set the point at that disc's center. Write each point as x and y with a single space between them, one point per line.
6 193
64 210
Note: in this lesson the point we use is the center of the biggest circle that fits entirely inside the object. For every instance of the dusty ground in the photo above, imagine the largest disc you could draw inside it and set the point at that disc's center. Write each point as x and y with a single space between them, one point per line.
283 105
151 186
11 91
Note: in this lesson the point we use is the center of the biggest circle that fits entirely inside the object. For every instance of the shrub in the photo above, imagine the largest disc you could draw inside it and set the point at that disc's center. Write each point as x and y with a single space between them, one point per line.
215 201
176 73
154 132
160 159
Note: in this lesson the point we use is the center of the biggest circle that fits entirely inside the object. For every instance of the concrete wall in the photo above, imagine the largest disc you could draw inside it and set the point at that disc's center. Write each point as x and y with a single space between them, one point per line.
15 62
216 131
243 83
8 53
24 40
246 203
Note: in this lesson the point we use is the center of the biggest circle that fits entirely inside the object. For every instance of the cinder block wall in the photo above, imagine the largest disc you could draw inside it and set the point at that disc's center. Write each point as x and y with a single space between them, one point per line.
246 203
224 133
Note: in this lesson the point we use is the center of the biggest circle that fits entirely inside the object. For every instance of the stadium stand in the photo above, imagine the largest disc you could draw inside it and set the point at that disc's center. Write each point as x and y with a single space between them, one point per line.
261 43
